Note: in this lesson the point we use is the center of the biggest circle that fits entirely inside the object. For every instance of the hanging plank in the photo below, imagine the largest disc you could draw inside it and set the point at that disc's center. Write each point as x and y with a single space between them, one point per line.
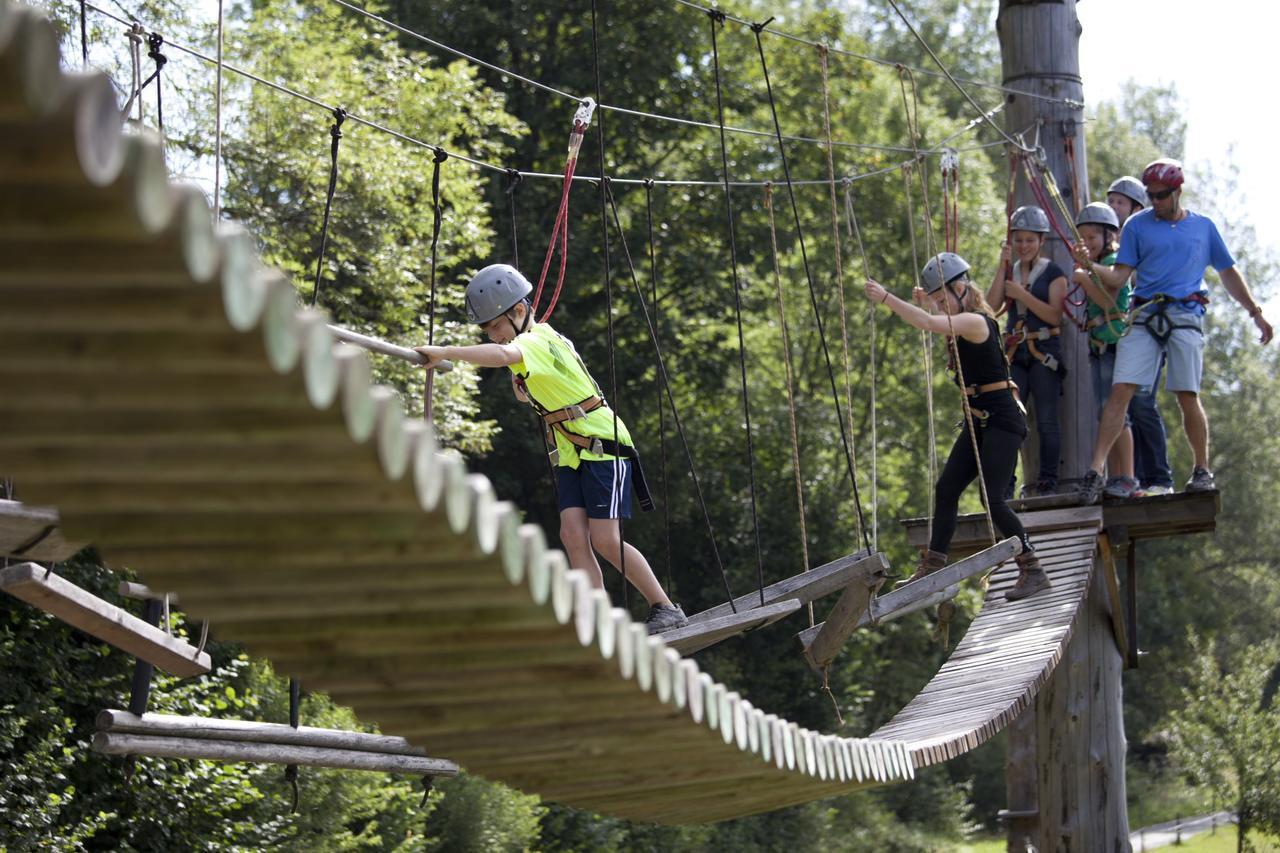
86 612
247 731
928 590
972 532
707 632
33 533
118 743
806 586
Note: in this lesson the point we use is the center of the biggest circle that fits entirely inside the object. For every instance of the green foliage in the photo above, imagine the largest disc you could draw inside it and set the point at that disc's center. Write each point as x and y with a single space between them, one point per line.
1226 733
474 816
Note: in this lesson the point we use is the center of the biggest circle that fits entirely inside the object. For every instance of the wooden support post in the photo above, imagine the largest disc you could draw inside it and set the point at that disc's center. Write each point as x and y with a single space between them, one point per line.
144 671
1118 629
841 621
1131 579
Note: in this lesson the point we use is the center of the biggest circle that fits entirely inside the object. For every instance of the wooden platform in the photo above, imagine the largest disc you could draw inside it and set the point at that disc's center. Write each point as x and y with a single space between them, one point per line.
186 417
59 597
1009 651
1154 517
33 533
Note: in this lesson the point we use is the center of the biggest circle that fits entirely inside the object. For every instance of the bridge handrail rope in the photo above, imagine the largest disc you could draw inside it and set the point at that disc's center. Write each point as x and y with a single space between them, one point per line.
926 349
481 164
839 250
537 84
715 21
584 116
813 294
671 400
855 234
335 133
662 411
791 394
911 108
437 214
891 63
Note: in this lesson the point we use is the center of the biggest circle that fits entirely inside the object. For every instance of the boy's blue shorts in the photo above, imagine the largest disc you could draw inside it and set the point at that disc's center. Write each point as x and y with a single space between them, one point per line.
603 489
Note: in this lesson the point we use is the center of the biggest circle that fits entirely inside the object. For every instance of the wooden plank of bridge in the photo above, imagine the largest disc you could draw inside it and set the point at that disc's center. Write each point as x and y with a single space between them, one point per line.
910 597
699 635
59 597
33 533
972 533
841 622
806 586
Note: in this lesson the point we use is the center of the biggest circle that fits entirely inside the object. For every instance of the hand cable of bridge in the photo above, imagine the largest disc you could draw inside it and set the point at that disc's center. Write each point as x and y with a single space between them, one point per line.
537 84
437 214
891 63
611 340
671 400
911 108
662 410
335 134
791 394
855 234
813 293
839 250
926 348
715 21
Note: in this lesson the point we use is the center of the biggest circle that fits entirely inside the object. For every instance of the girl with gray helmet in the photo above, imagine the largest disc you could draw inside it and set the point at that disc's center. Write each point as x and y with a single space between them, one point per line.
596 460
1106 322
1034 291
950 303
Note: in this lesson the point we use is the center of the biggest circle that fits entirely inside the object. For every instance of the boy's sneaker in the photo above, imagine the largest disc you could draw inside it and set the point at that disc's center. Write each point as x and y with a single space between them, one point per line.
1201 480
1150 491
665 617
1121 487
1090 488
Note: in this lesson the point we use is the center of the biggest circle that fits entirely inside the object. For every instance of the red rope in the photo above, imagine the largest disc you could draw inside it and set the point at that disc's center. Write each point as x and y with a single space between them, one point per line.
560 230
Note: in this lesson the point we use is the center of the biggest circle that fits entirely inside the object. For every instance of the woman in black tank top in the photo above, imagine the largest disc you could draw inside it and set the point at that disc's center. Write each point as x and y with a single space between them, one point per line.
955 305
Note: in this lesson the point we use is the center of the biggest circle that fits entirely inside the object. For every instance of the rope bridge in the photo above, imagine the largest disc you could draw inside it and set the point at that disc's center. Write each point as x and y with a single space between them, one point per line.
171 398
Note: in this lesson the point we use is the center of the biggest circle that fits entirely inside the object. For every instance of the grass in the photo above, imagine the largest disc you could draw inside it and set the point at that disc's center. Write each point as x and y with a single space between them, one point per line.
1223 841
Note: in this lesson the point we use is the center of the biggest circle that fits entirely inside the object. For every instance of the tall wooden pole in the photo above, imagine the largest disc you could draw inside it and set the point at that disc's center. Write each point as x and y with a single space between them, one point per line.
1066 760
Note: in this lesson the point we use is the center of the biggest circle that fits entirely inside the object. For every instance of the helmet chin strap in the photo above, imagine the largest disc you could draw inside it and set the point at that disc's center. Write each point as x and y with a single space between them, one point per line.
524 324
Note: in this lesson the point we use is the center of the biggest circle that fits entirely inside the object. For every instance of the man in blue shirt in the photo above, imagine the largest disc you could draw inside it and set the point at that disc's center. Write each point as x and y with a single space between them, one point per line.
1169 248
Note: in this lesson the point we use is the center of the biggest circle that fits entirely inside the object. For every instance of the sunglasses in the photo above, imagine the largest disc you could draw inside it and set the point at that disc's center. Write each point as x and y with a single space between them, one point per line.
1160 196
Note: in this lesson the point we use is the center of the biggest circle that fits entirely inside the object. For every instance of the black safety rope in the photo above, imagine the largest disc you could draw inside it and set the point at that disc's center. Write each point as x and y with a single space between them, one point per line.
436 215
154 42
813 293
608 293
335 134
717 19
662 413
291 770
513 183
671 400
84 35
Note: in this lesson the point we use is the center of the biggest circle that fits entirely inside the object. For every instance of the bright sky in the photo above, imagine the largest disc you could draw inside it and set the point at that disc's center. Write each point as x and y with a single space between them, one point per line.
1217 56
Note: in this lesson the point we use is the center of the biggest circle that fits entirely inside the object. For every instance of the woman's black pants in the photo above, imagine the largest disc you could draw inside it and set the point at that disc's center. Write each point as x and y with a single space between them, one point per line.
998 450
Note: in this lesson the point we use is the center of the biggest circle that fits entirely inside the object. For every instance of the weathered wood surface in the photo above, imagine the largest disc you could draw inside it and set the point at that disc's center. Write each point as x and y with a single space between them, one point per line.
807 586
841 622
699 635
86 612
261 475
169 746
248 731
1009 651
198 426
933 589
33 533
1179 514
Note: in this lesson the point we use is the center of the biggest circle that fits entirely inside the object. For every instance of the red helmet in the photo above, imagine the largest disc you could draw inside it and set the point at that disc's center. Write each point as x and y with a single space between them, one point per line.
1163 171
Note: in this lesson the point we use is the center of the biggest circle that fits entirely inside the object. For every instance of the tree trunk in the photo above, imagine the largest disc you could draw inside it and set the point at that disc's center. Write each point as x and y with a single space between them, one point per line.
1039 44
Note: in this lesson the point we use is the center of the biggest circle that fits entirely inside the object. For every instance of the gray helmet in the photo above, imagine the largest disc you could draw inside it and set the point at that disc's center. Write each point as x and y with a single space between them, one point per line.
953 266
1131 188
1098 213
495 290
1029 218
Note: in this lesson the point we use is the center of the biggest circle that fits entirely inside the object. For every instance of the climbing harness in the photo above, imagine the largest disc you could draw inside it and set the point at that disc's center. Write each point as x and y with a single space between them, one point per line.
1020 334
560 230
1153 315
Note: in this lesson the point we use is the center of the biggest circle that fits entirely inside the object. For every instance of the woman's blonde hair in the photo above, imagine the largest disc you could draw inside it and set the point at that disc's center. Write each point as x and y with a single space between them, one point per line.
971 298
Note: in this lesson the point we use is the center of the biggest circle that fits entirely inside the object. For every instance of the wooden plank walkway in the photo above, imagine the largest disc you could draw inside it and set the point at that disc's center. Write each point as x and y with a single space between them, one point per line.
1009 651
33 533
183 414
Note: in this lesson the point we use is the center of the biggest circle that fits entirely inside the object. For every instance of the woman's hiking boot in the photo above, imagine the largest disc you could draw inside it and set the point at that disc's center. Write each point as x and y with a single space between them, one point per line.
1031 577
930 562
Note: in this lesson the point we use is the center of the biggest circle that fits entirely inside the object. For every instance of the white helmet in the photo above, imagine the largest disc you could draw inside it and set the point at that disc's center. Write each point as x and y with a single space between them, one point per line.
1029 218
952 267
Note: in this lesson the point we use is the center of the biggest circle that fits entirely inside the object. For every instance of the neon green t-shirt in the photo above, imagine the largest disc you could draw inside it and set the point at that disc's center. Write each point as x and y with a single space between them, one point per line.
554 373
1113 330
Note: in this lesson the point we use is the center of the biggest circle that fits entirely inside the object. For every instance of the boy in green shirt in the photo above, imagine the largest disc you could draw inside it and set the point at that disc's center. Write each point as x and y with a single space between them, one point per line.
594 463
